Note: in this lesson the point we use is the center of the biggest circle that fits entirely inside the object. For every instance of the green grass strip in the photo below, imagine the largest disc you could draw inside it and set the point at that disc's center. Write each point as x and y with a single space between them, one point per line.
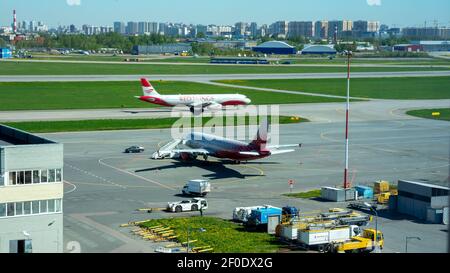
305 195
121 124
377 88
48 68
444 113
221 235
109 95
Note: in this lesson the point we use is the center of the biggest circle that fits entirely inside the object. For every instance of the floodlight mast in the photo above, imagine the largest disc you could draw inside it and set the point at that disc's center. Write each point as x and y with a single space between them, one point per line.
347 112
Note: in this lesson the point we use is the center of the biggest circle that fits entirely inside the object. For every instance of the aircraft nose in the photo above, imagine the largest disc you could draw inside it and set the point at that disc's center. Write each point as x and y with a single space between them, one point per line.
248 101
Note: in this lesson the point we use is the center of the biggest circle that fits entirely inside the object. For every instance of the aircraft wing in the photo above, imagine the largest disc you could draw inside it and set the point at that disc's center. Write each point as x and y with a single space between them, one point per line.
284 146
250 153
281 152
201 104
192 151
272 152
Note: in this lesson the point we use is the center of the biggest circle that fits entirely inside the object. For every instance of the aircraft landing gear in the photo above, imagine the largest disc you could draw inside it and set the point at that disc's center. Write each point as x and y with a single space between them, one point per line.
196 111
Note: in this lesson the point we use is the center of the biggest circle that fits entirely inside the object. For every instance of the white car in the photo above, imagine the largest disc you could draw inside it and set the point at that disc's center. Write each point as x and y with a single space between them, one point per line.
194 204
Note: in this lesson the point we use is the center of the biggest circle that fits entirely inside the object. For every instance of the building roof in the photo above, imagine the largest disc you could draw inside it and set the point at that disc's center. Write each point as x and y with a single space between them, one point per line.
432 42
4 142
274 44
426 184
10 137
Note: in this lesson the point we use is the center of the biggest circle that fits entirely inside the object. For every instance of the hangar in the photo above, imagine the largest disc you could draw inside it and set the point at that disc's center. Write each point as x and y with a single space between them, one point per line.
319 50
421 200
275 47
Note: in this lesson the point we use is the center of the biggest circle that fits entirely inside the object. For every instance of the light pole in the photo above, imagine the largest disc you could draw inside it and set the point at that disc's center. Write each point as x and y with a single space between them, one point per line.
349 55
376 224
188 231
409 238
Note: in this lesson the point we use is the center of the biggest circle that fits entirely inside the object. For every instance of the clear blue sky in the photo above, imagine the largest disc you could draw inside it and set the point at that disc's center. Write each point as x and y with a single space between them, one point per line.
104 12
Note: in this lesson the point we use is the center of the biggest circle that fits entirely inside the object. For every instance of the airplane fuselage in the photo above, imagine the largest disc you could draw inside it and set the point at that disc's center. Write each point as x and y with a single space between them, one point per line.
223 148
188 100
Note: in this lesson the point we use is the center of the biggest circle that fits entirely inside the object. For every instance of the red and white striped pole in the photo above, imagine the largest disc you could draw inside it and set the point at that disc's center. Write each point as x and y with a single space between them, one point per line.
346 182
15 21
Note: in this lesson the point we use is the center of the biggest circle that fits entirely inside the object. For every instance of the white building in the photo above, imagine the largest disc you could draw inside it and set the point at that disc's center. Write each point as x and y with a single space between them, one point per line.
31 193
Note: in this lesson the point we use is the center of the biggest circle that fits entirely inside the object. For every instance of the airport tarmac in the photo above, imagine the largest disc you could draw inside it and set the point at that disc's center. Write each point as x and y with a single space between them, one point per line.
214 77
104 186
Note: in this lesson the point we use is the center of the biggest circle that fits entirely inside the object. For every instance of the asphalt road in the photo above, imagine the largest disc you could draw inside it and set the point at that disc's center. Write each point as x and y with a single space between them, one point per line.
212 77
104 186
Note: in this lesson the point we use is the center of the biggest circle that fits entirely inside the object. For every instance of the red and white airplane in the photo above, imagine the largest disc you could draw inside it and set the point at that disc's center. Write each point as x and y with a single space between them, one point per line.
201 144
194 102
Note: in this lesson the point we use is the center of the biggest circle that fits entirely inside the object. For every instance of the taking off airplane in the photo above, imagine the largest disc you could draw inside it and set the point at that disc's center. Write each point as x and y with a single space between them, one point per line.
194 102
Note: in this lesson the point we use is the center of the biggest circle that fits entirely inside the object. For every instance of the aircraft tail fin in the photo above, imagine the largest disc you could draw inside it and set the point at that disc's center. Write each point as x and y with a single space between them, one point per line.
148 89
260 141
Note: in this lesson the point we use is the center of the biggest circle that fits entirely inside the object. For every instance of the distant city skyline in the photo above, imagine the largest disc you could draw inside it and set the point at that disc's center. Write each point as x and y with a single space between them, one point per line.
399 13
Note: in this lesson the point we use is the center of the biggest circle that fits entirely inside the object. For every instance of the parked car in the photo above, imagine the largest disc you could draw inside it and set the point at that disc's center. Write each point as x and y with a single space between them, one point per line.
134 149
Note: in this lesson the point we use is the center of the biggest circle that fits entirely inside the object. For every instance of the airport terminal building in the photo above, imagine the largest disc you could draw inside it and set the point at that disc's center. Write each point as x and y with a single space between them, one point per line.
31 193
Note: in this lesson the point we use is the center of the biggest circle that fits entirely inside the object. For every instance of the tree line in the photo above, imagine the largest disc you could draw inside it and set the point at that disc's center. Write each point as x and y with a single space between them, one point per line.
94 42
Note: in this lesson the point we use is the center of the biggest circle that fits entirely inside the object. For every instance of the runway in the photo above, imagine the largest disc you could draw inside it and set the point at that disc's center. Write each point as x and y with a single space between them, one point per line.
323 112
214 77
149 62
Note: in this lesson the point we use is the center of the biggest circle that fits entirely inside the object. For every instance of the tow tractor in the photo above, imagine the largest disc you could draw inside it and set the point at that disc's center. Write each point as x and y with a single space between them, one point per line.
194 204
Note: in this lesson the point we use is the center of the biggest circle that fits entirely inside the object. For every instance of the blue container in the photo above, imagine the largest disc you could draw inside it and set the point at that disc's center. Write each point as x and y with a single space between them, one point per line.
364 192
261 216
5 53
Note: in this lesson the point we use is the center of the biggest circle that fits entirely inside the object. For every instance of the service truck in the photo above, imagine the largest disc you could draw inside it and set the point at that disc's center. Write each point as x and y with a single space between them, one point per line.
197 188
323 240
362 243
260 216
241 214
